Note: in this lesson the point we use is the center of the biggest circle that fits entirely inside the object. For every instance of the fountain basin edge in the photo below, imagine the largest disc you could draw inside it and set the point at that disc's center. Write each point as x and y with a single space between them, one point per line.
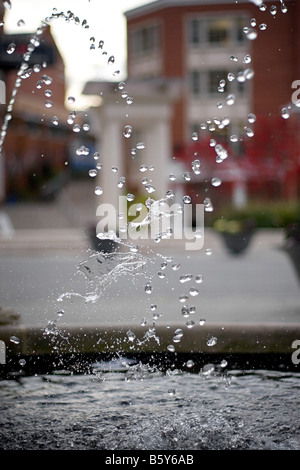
75 347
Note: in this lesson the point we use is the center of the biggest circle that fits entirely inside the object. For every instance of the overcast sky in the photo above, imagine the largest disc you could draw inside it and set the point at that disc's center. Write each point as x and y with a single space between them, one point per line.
106 22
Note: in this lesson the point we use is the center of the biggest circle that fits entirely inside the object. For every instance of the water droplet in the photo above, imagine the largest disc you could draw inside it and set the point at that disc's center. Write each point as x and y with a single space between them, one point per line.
127 131
14 339
130 197
216 181
251 34
111 60
222 83
186 199
253 22
54 121
140 145
212 341
46 79
148 288
96 155
285 113
199 278
48 104
150 188
224 363
177 335
263 7
283 7
230 76
273 10
187 176
183 298
76 128
114 169
190 323
48 93
98 190
249 132
185 278
92 173
208 207
37 68
263 26
193 291
195 136
251 118
130 335
22 362
121 182
202 321
248 74
11 48
7 4
230 100
208 251
129 100
234 58
171 391
101 44
247 59
171 348
71 99
86 127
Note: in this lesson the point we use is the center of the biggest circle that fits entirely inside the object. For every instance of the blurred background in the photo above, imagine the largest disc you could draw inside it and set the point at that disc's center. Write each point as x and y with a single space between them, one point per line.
209 91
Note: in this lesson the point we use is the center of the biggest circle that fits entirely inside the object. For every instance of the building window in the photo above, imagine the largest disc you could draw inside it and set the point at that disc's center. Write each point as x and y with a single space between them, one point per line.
195 84
145 41
214 78
216 31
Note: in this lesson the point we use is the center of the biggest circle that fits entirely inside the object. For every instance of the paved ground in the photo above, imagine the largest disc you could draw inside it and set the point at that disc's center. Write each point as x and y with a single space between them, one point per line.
38 266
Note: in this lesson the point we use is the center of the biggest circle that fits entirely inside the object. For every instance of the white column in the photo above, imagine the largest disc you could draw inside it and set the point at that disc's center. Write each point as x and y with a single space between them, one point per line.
111 155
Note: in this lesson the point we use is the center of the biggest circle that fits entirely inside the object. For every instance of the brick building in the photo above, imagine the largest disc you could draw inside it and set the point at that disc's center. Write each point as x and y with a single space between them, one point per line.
255 50
35 145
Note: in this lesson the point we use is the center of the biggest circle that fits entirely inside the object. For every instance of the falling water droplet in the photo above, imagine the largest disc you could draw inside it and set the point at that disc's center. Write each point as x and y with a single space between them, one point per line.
230 100
208 207
202 321
208 251
216 181
186 199
251 34
148 288
76 128
129 100
130 197
48 104
273 10
140 145
130 335
234 58
247 59
150 188
92 173
111 60
98 190
285 113
71 99
127 131
212 341
171 348
263 26
193 291
263 7
251 118
46 79
14 339
54 121
11 48
143 168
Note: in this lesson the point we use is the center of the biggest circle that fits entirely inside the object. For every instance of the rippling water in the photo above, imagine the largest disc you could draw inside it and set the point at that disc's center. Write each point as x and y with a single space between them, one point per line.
134 407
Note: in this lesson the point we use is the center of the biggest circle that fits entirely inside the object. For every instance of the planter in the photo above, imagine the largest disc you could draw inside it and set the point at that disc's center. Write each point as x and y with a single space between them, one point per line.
105 245
237 243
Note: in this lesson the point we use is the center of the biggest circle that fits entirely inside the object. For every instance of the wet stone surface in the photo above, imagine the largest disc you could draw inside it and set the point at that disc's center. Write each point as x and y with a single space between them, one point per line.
135 409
